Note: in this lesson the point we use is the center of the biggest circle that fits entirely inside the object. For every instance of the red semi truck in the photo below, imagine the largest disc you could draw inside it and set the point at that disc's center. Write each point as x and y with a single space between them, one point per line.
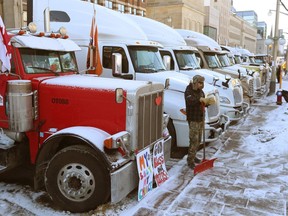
80 133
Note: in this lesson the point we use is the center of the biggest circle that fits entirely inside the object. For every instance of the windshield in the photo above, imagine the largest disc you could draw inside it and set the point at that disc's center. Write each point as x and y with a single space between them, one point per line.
252 59
224 60
45 61
212 60
238 59
186 60
146 59
259 61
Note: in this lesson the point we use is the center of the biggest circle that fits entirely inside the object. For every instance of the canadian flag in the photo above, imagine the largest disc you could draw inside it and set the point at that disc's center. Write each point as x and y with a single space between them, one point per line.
5 48
93 58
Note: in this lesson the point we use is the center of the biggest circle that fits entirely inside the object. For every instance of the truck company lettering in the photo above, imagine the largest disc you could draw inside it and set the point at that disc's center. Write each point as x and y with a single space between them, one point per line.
60 101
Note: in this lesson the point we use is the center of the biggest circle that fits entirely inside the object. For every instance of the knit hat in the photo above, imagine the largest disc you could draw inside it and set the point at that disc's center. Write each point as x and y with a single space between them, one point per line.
198 78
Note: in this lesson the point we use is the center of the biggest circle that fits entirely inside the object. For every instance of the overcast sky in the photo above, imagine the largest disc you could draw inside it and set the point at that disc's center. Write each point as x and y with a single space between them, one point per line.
262 7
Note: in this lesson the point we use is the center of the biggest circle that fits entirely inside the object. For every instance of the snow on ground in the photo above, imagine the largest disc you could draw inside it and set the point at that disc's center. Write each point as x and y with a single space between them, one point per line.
262 140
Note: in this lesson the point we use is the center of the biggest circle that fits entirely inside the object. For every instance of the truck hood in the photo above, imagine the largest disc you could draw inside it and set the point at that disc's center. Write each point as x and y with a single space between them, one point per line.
236 68
208 74
95 82
178 81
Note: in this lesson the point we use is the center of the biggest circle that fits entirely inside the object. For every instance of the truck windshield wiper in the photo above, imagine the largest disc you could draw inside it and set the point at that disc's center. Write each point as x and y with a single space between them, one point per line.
187 68
148 70
46 69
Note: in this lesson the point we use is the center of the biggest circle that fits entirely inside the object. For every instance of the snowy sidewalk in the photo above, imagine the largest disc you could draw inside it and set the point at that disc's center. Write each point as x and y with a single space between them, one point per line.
250 175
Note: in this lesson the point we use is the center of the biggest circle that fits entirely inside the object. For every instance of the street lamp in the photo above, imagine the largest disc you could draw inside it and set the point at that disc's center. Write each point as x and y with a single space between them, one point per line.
275 49
270 12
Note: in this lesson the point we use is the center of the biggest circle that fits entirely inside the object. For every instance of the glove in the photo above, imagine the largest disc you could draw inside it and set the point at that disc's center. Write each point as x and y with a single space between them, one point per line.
208 101
211 100
204 100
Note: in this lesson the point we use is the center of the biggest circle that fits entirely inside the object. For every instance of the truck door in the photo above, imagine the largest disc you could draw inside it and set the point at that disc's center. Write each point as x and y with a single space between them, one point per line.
107 52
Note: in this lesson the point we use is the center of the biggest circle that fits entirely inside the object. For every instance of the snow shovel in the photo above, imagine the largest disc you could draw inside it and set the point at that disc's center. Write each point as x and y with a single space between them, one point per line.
205 164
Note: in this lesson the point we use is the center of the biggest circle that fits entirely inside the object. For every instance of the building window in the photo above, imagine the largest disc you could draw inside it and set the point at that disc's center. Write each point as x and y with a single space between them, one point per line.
121 8
130 10
109 4
134 11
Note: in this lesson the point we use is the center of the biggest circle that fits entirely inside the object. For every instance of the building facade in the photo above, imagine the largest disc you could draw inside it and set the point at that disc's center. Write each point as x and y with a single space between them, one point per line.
12 13
137 7
211 17
181 14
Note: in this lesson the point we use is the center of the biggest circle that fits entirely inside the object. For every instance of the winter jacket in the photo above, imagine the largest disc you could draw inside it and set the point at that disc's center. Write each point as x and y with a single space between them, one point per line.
194 108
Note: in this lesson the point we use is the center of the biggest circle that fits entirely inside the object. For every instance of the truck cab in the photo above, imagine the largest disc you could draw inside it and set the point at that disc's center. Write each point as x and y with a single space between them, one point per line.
260 71
184 61
208 51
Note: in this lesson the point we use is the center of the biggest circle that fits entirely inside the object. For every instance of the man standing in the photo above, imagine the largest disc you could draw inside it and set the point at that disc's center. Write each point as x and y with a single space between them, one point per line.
195 105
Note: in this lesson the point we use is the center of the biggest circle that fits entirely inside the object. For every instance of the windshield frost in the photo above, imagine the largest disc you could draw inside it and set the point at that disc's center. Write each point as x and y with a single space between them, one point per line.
146 59
186 60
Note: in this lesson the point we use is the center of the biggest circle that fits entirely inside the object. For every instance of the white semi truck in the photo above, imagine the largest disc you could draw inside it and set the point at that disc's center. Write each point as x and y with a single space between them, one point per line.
246 59
208 51
141 59
183 60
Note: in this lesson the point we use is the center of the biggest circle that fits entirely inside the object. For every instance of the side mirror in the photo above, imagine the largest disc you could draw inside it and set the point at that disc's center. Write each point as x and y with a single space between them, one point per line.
199 60
167 62
117 67
215 79
116 64
119 95
227 78
167 83
239 72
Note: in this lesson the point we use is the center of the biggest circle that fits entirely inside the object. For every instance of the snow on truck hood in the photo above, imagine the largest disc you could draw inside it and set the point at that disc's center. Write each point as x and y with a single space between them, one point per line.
178 82
94 82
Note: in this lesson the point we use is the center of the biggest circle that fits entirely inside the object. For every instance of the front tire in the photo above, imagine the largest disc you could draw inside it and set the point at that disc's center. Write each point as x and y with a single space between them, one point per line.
76 180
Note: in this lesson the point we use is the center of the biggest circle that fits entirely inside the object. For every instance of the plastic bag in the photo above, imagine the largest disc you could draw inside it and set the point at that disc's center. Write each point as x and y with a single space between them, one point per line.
5 140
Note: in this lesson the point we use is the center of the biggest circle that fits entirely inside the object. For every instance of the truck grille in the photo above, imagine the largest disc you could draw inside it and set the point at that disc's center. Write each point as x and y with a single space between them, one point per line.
251 87
213 111
257 83
238 95
263 76
150 124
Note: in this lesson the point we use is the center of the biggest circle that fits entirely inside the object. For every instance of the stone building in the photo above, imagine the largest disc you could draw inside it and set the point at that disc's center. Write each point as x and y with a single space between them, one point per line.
12 12
178 13
211 17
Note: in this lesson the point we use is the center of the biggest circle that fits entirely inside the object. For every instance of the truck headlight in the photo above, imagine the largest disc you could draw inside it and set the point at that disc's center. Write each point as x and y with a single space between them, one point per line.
121 139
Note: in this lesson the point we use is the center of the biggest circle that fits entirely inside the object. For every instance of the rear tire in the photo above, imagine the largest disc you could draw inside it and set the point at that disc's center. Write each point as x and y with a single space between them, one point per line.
76 180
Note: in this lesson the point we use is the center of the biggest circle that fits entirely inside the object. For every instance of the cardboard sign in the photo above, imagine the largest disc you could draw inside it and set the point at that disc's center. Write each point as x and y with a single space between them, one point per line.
159 167
145 171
